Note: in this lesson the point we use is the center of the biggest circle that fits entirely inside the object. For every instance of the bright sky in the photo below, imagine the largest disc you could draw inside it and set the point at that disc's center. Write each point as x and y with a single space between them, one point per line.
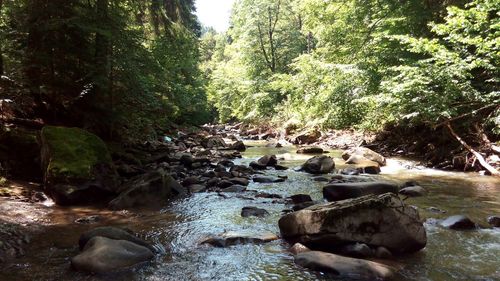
214 13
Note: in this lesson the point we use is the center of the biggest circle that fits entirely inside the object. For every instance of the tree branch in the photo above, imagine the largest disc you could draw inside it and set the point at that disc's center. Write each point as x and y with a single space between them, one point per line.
494 172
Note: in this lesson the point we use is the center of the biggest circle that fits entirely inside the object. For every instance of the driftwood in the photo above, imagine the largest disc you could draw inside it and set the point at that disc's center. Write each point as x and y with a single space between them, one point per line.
479 157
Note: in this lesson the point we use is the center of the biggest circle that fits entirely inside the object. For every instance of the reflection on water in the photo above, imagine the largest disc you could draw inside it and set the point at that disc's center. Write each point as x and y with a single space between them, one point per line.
449 255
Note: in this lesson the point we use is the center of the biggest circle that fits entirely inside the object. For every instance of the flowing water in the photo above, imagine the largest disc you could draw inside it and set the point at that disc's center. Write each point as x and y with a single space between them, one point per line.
449 255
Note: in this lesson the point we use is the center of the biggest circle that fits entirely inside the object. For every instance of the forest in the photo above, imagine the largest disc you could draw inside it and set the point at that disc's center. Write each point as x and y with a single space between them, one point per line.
130 126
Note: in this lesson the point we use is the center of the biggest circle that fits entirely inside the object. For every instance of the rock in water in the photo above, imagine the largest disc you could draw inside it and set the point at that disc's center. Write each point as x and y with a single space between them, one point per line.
363 153
319 165
494 221
102 255
253 211
413 191
376 220
310 150
342 191
298 248
230 238
343 266
458 222
268 160
77 166
153 189
268 179
239 146
112 233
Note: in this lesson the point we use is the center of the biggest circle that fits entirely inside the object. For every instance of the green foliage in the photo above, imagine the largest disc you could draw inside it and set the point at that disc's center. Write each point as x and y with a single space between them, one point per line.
352 63
120 68
458 72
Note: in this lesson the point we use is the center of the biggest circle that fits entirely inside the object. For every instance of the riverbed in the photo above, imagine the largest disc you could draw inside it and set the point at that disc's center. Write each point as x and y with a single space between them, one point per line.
179 227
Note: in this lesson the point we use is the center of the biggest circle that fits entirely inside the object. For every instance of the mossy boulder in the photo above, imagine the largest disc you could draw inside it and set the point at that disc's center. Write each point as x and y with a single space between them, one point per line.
77 166
20 153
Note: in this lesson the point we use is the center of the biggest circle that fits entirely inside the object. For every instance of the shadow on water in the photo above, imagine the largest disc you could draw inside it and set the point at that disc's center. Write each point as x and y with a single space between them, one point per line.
449 255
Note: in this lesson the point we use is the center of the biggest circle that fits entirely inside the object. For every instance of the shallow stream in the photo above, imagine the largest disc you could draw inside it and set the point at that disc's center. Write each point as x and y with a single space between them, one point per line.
449 255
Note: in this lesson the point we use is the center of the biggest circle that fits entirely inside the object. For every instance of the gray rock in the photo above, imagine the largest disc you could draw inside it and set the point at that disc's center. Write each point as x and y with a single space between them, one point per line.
383 253
319 165
231 238
268 160
267 179
298 248
238 145
494 221
458 222
363 153
253 212
356 250
102 255
239 181
235 188
112 233
153 189
413 191
376 220
310 150
342 191
300 198
257 166
343 266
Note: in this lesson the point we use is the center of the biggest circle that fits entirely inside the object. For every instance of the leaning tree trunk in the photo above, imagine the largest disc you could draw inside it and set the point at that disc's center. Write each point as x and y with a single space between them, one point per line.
2 71
494 172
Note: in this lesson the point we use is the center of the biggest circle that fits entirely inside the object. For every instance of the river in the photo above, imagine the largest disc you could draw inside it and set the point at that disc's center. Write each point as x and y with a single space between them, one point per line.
179 227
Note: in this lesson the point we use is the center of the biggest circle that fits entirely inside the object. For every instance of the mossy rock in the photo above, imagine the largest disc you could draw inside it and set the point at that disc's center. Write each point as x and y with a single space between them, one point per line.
77 166
20 153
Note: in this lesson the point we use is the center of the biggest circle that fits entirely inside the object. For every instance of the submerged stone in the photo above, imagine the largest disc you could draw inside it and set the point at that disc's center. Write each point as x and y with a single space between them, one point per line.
231 238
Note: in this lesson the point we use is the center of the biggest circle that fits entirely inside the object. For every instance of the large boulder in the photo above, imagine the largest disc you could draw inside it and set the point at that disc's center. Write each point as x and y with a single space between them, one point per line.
321 164
77 166
360 155
343 267
213 142
103 255
20 153
375 220
112 233
342 191
152 189
305 137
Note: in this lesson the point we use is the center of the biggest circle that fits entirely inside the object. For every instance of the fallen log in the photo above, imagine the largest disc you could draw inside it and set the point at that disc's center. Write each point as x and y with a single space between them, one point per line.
479 157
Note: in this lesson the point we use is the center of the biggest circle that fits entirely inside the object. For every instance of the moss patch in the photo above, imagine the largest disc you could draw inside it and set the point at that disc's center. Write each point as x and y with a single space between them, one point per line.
72 153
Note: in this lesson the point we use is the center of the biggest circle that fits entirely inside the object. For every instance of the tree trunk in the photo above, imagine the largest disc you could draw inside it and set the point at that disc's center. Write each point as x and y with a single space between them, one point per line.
1 45
494 172
32 64
102 49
